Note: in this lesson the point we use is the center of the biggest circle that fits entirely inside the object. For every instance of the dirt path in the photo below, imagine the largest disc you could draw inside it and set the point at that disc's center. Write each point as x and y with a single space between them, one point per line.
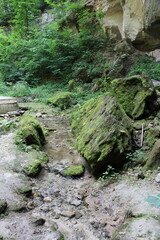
74 209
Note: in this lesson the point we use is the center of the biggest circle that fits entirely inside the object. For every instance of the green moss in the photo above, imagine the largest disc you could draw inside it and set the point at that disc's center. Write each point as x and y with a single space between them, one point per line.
25 190
33 168
63 100
74 171
71 85
102 131
152 136
133 94
153 161
29 132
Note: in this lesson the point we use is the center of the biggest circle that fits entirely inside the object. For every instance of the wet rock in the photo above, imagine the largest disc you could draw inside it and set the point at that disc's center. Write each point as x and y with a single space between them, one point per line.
73 171
136 95
103 133
3 206
157 179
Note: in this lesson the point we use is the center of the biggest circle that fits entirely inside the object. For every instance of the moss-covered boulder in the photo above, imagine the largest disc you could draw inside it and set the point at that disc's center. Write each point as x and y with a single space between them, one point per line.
30 131
153 161
63 100
135 94
73 171
103 133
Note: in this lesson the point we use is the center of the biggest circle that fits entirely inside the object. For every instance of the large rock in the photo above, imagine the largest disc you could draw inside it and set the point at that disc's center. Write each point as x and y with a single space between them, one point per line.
136 21
153 160
8 104
103 131
136 95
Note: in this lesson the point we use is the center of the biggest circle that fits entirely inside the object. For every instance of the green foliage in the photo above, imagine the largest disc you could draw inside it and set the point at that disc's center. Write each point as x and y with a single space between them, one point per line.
136 157
54 52
20 89
146 66
108 174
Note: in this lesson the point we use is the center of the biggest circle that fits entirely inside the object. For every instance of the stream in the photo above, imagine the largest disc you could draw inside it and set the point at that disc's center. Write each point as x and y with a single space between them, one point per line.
53 207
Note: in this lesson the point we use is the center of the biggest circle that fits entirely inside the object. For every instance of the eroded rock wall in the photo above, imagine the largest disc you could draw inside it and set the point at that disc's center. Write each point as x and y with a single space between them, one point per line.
137 21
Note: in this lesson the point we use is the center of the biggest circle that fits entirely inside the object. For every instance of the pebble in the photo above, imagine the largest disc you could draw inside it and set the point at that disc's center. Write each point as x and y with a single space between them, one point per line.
78 215
157 179
47 199
75 202
68 214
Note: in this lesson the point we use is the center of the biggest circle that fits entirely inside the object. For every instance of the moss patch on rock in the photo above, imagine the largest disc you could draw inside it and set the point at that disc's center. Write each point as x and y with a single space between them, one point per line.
136 95
152 136
103 133
73 171
33 168
30 132
63 100
153 161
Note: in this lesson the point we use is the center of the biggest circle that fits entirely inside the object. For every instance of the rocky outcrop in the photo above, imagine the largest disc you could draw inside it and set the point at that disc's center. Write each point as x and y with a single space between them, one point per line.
103 133
137 21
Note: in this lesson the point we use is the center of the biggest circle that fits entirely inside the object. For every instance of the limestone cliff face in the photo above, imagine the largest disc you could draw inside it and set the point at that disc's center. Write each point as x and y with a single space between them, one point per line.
137 21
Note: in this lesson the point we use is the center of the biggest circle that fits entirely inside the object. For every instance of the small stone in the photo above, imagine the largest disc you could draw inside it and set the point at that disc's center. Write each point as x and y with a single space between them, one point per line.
45 209
54 227
69 214
3 206
57 216
39 222
75 202
78 215
106 234
96 225
47 199
157 179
